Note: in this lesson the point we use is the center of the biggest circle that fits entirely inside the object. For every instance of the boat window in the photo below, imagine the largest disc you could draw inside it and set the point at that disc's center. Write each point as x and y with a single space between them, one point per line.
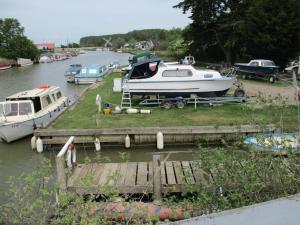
144 71
83 71
36 104
46 100
254 64
58 95
268 63
53 97
1 109
11 109
177 73
25 108
208 76
93 71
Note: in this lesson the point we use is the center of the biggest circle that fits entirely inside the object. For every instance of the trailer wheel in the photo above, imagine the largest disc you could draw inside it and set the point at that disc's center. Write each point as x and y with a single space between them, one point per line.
272 79
166 105
239 92
180 104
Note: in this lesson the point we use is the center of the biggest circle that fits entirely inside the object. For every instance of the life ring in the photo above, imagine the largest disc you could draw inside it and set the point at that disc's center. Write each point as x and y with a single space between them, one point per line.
71 156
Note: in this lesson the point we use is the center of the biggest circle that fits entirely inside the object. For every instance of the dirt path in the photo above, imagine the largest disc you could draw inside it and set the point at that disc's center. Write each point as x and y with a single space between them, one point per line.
253 88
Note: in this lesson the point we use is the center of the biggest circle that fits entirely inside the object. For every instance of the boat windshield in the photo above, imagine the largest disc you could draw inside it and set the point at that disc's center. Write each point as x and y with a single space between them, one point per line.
15 109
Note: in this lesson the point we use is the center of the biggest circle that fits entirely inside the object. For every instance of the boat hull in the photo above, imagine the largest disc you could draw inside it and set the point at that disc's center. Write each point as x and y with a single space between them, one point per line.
207 88
87 80
14 131
5 67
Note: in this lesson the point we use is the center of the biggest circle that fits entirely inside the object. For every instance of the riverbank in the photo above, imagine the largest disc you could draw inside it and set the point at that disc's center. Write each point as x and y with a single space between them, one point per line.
85 115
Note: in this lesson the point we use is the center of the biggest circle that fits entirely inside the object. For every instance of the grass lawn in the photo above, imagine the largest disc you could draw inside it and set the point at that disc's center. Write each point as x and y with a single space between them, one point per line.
84 115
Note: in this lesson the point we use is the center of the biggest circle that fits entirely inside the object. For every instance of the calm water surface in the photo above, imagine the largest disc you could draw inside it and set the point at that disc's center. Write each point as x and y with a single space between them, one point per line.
17 157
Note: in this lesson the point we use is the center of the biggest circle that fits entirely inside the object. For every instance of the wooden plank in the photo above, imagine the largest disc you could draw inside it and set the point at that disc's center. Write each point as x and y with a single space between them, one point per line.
179 172
188 174
170 173
123 172
156 162
98 172
114 174
61 174
142 173
105 174
74 175
150 172
163 173
131 174
154 130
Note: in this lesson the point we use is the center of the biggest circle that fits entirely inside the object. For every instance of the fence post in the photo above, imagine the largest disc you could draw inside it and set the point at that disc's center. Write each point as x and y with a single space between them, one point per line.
157 177
61 175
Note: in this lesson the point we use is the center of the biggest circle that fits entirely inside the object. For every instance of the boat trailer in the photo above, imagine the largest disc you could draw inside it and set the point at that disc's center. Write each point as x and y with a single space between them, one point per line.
180 102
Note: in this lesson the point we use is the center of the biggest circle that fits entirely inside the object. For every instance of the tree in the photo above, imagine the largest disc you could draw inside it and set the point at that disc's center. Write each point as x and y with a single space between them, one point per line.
216 23
13 43
273 30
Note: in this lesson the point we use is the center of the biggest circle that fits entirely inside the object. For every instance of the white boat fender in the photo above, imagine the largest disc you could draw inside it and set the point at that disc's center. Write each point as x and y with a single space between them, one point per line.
39 145
145 111
33 142
127 141
97 99
97 144
160 140
71 156
132 111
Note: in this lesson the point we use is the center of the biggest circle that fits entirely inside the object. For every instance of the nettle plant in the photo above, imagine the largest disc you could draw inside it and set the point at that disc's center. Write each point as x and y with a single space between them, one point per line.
235 178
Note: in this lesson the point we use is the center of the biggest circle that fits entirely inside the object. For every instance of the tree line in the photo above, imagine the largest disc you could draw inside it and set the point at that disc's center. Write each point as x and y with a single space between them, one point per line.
162 36
234 30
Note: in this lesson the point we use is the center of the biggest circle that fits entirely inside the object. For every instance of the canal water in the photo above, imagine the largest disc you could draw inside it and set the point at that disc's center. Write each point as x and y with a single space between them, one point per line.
17 157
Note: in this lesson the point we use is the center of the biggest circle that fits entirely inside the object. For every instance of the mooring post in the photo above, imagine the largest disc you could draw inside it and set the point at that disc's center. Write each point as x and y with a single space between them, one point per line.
295 85
157 177
61 175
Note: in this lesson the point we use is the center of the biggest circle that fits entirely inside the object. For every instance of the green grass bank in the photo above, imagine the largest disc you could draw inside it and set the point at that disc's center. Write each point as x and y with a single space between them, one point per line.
84 115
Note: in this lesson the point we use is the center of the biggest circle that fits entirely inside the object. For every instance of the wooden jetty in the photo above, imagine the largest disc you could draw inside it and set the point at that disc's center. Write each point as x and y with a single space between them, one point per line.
187 134
156 177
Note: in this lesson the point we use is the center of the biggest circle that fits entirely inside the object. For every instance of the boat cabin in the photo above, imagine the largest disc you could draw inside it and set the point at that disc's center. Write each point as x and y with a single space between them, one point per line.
92 71
30 102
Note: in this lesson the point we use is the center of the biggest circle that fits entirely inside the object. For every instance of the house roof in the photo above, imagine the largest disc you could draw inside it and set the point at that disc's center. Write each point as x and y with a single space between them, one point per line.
48 45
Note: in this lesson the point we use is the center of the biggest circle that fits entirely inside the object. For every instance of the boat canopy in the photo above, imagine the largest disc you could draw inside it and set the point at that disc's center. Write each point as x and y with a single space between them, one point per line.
145 69
141 57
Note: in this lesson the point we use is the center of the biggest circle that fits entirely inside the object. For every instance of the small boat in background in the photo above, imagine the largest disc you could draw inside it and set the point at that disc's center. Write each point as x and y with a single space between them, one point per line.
275 142
70 73
259 68
91 74
45 59
22 112
24 62
5 66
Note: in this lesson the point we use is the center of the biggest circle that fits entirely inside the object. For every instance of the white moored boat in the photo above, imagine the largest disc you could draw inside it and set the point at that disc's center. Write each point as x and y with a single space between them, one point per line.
21 113
152 77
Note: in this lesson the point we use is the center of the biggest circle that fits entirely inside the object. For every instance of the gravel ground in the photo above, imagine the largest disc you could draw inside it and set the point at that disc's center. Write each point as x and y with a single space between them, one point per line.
268 90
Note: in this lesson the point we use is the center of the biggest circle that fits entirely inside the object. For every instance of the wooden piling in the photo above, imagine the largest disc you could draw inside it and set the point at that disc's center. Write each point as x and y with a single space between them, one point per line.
61 175
157 177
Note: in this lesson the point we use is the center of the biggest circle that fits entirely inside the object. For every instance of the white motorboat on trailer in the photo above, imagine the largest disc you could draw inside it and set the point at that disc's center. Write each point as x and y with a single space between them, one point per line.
21 113
153 77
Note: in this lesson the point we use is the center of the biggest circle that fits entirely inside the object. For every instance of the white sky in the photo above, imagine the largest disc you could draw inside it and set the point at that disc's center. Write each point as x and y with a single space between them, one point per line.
63 21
